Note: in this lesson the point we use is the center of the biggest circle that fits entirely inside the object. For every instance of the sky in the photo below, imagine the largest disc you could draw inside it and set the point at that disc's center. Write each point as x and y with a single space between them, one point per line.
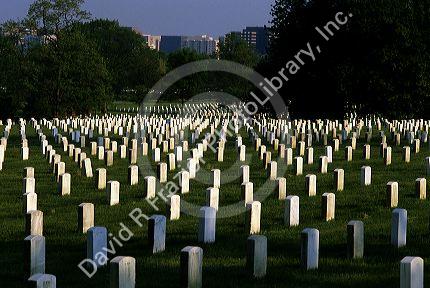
168 17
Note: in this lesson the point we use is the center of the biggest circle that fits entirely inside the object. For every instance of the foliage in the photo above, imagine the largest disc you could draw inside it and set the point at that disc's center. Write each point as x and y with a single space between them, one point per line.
133 65
11 69
51 16
377 63
235 49
71 78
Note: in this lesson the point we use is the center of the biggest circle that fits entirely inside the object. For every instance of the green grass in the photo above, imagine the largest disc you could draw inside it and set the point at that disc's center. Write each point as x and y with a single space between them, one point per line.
223 261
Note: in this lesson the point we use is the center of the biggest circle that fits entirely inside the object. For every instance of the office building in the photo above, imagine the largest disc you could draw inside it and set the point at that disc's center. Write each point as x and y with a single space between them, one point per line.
257 37
201 44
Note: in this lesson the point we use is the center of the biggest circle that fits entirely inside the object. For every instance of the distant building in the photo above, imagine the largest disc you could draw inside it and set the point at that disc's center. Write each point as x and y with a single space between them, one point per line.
153 41
201 44
257 37
170 44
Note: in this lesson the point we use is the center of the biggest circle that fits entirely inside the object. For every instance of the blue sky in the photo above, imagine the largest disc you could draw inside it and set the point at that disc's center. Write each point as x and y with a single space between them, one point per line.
168 17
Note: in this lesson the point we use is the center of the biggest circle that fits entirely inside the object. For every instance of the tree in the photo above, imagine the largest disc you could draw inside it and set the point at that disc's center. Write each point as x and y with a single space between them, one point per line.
50 17
71 78
191 85
233 48
376 63
133 65
12 90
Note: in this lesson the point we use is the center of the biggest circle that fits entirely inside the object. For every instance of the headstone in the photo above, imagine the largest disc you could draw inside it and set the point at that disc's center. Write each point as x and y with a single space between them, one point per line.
387 156
282 188
34 223
40 280
412 272
122 151
339 180
392 194
28 185
112 192
171 162
406 154
93 148
29 202
328 206
421 188
132 156
348 153
101 178
97 245
242 153
289 156
216 178
355 239
85 217
212 197
191 267
184 182
64 186
162 172
133 175
150 187
309 248
256 256
311 185
174 207
366 176
122 272
310 155
28 172
366 152
399 221
157 233
292 214
108 158
273 170
101 152
244 171
34 251
178 153
247 192
298 165
25 152
192 167
253 216
220 154
417 146
323 164
87 169
207 225
329 153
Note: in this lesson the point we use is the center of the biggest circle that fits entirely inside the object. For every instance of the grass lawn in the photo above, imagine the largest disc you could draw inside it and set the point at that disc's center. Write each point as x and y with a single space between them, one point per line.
223 261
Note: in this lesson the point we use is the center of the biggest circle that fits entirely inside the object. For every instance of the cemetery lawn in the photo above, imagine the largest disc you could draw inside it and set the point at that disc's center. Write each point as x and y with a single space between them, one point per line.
224 261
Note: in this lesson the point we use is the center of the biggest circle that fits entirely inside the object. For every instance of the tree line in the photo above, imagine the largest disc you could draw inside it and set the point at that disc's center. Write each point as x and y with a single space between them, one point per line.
377 63
79 65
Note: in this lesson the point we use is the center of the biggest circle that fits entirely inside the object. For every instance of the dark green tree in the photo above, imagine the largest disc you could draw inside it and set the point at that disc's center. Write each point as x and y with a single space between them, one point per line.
12 82
191 85
376 63
50 17
71 78
133 65
233 48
